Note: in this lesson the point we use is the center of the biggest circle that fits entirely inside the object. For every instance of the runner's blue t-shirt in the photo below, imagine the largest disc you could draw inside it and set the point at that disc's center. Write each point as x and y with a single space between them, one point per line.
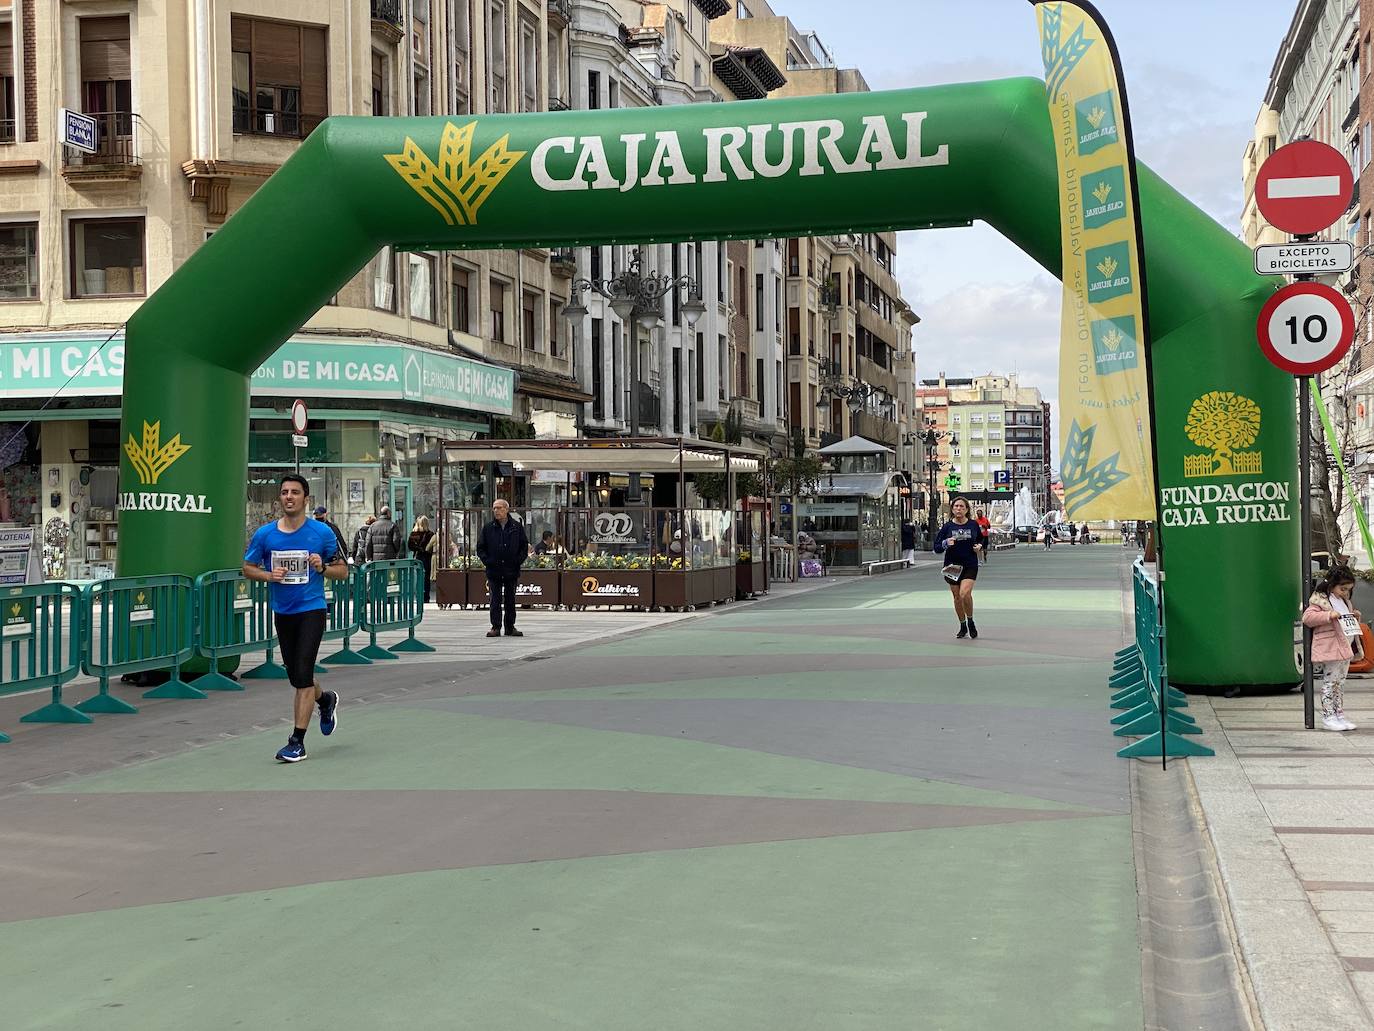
956 540
303 588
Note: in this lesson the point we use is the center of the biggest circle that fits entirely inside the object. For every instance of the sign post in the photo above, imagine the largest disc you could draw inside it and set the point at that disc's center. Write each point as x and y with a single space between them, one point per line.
300 417
1305 328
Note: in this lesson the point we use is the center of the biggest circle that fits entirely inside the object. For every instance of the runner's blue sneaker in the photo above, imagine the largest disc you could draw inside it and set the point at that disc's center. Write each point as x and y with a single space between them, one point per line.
329 712
294 752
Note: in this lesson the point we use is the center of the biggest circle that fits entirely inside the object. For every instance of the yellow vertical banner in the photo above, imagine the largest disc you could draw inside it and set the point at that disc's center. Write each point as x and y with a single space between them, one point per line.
1106 465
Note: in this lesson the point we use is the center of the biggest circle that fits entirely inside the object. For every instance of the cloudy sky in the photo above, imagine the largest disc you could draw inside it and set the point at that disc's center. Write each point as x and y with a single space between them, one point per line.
1196 72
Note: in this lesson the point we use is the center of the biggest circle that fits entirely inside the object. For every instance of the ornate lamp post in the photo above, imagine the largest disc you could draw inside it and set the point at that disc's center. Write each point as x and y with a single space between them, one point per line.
637 299
932 438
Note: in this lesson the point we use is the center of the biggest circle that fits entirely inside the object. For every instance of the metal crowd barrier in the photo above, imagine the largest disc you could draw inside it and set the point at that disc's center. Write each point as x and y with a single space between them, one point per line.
138 623
233 617
1152 710
344 598
40 646
392 599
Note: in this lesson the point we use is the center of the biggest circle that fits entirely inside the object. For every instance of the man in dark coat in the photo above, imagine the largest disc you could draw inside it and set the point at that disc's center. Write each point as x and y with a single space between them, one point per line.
503 548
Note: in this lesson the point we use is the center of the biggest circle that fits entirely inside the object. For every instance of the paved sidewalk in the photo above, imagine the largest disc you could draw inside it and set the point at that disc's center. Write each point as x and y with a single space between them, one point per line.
1290 814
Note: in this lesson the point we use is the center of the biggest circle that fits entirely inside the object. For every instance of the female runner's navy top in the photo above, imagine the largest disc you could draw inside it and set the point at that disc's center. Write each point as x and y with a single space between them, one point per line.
956 540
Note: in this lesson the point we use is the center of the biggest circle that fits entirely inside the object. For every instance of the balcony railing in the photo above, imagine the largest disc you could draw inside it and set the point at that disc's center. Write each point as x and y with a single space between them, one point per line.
388 11
8 129
116 155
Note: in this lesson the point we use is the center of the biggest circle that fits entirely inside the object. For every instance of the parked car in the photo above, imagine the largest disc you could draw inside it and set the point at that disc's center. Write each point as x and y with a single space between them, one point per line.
1027 533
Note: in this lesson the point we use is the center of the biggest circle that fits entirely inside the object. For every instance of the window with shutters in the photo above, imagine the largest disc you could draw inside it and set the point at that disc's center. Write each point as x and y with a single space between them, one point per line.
498 311
381 85
9 110
422 299
529 63
497 28
19 261
281 76
460 18
461 309
593 91
107 82
529 322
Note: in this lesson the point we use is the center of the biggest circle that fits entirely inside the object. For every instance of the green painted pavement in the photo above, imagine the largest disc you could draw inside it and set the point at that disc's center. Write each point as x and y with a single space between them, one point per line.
704 641
979 928
1076 685
390 747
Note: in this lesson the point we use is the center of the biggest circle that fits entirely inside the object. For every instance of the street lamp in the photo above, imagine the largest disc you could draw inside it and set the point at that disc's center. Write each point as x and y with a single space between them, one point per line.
931 438
636 297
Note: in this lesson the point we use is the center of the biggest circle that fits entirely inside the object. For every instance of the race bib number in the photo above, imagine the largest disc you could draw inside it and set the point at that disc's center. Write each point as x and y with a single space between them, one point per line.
1350 625
296 564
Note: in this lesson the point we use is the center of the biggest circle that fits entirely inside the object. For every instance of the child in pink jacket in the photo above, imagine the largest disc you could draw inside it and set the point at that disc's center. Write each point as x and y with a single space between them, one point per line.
1335 624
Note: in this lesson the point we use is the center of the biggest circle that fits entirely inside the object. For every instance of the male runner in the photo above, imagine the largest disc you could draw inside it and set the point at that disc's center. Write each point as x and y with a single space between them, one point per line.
294 555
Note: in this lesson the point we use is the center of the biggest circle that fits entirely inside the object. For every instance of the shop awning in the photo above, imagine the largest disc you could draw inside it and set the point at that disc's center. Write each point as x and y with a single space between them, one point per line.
610 455
855 446
854 485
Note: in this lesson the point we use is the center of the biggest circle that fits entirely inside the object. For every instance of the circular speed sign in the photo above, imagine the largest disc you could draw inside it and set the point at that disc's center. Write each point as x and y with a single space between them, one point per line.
300 416
1306 328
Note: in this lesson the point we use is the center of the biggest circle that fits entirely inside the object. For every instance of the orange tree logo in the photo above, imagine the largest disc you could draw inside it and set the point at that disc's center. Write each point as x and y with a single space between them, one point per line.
1224 423
150 457
456 185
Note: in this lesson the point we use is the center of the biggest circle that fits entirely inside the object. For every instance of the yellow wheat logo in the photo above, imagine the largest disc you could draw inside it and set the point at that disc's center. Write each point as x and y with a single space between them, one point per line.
1095 117
1102 192
16 608
1111 339
140 596
1108 266
456 186
1223 422
152 458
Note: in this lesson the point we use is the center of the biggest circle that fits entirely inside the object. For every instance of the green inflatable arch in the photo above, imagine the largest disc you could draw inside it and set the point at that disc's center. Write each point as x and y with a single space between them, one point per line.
772 168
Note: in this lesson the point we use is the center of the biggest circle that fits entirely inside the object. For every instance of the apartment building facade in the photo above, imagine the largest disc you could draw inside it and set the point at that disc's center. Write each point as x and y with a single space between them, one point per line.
195 105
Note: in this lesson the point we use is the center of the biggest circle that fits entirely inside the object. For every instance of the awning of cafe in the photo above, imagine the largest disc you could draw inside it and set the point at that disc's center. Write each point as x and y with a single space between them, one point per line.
855 485
608 455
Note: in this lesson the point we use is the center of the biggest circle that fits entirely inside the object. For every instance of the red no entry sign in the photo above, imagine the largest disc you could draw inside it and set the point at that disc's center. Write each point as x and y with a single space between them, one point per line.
1305 328
1304 187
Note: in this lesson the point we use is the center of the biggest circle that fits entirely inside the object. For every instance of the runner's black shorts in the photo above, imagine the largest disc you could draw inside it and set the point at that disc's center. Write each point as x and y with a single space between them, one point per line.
969 573
299 635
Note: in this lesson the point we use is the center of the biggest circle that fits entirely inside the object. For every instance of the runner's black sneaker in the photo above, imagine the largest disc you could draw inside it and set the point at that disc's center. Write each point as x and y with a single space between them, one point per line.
963 630
294 752
329 712
972 629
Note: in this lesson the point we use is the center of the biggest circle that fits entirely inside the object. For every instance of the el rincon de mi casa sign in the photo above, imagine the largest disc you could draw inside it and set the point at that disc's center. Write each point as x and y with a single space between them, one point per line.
316 367
799 166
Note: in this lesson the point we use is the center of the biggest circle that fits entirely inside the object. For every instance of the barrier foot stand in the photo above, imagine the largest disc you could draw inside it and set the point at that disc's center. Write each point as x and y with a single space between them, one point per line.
376 651
269 670
1122 690
1176 697
105 704
217 681
1130 699
1155 744
1125 676
346 656
1131 661
1122 653
175 688
4 738
56 711
1150 723
412 645
1134 714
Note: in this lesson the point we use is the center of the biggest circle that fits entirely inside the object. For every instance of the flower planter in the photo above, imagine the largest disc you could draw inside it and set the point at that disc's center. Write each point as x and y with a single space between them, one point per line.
749 579
451 587
723 584
536 587
622 588
678 589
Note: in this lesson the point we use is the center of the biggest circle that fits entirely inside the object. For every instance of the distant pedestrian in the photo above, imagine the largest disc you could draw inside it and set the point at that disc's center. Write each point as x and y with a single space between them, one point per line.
982 520
322 516
503 548
909 542
1336 640
962 540
1047 531
383 538
421 544
1073 534
359 552
294 555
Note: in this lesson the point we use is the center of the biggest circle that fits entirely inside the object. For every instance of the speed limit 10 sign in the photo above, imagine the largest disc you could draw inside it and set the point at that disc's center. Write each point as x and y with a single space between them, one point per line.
1306 328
